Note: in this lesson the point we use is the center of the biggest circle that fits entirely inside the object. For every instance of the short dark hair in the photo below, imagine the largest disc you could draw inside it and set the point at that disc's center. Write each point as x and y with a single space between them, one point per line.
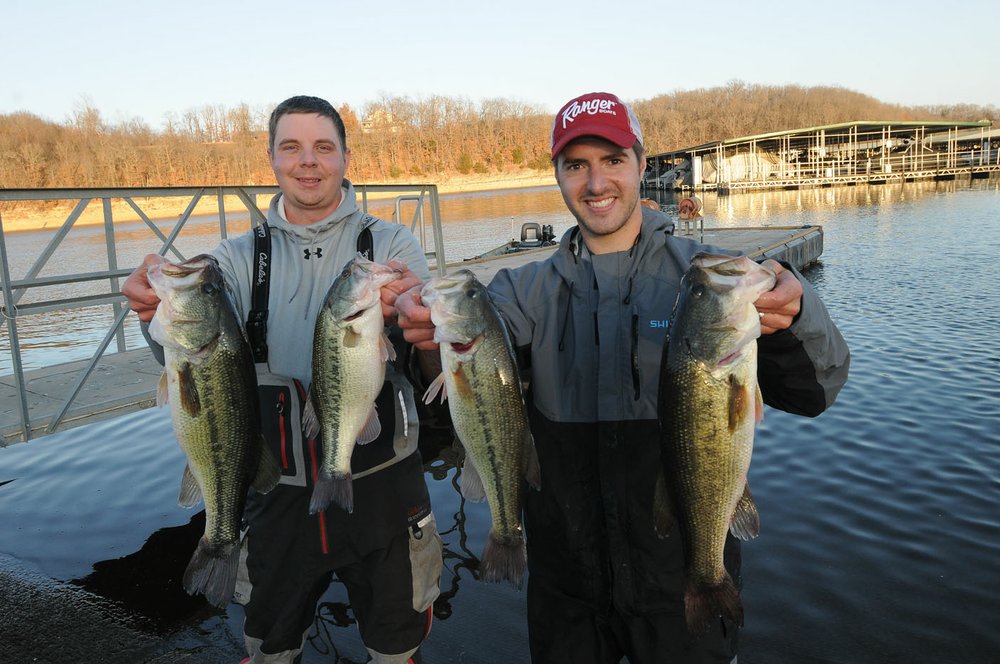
305 104
639 150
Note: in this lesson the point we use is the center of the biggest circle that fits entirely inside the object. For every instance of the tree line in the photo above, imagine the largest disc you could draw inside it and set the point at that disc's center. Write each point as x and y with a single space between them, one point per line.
408 140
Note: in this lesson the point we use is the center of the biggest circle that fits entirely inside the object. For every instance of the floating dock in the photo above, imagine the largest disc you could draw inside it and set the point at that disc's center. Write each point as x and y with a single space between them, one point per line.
126 381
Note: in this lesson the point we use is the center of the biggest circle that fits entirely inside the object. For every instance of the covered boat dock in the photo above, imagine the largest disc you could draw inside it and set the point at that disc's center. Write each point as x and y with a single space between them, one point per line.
850 153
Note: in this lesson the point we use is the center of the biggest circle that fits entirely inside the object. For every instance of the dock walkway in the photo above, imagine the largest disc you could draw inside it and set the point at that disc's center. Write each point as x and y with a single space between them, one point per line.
125 382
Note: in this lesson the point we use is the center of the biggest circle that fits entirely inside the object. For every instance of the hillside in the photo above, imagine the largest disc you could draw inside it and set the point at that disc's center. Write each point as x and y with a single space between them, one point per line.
435 139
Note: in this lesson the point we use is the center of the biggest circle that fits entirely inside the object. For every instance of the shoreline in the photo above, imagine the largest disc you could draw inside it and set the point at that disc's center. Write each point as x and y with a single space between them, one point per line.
158 209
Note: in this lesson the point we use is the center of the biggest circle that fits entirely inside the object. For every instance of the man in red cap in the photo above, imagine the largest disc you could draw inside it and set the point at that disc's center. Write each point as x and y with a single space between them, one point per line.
589 323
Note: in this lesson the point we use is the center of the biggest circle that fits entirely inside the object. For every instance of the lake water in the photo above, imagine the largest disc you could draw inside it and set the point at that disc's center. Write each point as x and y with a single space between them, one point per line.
880 537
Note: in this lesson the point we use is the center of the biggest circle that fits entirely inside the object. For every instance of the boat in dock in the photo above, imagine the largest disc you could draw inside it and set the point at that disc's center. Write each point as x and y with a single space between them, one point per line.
43 400
848 153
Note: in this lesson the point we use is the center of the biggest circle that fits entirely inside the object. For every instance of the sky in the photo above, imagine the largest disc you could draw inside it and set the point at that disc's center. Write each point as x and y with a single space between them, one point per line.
154 59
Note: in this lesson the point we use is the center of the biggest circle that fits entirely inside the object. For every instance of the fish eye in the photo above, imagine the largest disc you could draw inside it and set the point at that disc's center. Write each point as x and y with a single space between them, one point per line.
208 288
471 292
346 273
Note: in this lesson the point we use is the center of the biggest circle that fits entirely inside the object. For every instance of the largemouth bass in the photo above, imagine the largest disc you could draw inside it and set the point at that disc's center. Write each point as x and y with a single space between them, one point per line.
480 379
709 404
210 383
350 350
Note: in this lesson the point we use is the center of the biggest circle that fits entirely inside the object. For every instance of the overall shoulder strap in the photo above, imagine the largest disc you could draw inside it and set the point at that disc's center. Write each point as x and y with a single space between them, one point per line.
259 288
366 246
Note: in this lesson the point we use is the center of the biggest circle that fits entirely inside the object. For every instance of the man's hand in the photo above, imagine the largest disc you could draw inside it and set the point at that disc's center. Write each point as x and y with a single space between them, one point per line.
391 291
779 306
415 320
141 297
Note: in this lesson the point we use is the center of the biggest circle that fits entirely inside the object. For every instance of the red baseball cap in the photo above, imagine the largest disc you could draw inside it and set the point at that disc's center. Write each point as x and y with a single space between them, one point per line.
600 114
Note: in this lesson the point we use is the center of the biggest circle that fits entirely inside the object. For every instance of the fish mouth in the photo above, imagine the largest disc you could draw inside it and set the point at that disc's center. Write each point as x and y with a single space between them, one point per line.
190 266
175 270
739 349
730 359
464 347
356 313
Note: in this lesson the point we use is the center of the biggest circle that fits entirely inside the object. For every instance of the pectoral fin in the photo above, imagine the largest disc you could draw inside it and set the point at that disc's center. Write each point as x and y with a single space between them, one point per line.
436 387
163 390
739 402
190 401
351 338
663 508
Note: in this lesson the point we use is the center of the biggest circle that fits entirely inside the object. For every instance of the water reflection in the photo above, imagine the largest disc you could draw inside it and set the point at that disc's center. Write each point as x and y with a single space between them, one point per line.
148 581
814 205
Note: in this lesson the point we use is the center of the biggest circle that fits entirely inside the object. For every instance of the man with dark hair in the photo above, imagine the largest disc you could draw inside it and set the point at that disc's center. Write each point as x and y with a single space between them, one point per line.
305 104
387 552
602 585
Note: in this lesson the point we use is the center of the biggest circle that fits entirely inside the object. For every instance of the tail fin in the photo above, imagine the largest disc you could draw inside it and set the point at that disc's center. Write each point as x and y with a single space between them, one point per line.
504 560
703 602
212 572
332 489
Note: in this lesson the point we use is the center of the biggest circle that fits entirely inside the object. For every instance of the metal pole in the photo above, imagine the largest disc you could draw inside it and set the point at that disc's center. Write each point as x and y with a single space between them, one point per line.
222 213
9 312
109 240
436 227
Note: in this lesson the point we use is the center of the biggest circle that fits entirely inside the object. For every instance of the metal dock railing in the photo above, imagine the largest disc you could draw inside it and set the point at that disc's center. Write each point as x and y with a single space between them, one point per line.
420 196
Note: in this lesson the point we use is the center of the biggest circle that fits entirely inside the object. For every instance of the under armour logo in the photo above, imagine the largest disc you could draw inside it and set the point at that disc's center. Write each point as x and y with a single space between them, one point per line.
317 252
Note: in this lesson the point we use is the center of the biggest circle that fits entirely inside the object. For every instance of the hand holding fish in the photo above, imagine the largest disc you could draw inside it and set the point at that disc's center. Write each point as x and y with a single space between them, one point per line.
390 292
779 306
415 320
142 299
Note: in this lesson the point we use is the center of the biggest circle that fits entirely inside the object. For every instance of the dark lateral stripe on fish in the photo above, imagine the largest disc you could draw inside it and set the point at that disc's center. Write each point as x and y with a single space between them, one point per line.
218 425
334 396
496 466
502 497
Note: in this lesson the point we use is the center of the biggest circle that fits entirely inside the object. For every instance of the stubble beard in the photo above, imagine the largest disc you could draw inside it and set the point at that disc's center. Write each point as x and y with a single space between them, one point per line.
595 231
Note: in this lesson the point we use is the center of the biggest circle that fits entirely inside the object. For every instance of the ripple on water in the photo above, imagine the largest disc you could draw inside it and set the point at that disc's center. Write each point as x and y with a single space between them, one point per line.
91 493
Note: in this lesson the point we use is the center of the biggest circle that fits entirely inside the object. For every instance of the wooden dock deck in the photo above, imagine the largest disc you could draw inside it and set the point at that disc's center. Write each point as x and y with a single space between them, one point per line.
125 382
